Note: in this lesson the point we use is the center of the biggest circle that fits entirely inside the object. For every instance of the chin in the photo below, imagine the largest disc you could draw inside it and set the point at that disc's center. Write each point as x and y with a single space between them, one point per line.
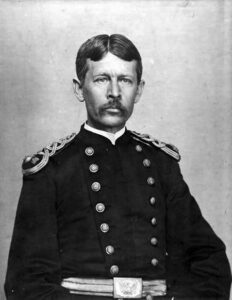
110 124
114 122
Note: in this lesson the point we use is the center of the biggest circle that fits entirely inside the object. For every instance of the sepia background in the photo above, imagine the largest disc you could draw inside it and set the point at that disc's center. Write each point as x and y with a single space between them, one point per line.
187 55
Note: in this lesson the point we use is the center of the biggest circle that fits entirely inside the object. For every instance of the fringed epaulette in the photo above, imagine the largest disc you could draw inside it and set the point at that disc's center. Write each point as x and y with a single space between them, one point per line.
167 148
34 163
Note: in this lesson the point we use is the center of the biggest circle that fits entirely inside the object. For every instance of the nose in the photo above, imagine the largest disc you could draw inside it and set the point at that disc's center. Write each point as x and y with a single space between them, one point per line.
114 90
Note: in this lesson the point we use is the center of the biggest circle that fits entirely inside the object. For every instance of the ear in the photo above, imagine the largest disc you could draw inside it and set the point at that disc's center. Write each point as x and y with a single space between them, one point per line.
139 91
78 92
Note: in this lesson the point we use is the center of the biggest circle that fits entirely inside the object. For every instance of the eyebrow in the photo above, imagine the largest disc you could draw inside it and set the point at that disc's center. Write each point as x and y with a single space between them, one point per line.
108 75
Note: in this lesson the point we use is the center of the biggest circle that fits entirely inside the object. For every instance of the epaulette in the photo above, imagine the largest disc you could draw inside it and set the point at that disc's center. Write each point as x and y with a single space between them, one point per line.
34 163
167 148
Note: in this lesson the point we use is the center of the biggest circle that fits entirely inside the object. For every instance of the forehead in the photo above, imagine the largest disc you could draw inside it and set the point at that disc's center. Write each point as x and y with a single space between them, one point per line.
111 64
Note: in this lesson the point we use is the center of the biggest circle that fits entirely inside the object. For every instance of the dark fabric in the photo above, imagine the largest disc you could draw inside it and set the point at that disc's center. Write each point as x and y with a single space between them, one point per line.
57 228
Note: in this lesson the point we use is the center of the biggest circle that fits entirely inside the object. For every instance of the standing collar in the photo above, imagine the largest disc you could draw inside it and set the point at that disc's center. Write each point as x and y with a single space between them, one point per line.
110 136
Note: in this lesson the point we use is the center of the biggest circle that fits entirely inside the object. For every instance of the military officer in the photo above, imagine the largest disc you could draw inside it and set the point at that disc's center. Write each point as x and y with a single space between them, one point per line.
105 213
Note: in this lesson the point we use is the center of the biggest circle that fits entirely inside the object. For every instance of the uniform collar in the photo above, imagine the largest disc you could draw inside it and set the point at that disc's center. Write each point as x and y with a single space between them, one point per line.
110 136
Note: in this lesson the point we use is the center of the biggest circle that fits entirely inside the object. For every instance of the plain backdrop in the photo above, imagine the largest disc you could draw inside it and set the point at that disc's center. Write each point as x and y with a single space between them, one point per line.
187 52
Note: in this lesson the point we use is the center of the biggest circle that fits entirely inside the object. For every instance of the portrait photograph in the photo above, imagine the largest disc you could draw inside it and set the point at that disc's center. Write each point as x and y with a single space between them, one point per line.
116 142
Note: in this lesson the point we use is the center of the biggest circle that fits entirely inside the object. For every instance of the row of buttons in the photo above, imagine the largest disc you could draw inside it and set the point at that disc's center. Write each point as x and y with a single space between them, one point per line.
94 168
100 207
147 164
150 181
153 240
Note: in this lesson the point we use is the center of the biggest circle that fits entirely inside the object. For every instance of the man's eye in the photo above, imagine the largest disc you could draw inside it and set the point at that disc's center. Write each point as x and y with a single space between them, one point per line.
101 79
126 80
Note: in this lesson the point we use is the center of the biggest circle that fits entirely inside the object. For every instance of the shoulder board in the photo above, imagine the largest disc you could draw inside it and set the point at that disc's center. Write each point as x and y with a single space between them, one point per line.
34 163
167 148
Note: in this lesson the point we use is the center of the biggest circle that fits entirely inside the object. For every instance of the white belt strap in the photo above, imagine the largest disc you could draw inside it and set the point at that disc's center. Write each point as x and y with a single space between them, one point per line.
118 287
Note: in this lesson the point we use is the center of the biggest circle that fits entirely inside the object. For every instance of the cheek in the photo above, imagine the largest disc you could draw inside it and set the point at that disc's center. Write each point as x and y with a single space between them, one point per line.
94 95
87 94
93 101
130 96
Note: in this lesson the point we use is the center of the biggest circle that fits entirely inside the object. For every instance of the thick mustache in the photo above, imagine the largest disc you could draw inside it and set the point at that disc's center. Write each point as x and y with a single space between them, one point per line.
115 104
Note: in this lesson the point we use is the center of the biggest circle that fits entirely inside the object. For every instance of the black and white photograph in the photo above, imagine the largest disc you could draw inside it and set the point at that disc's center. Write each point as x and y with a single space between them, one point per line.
116 142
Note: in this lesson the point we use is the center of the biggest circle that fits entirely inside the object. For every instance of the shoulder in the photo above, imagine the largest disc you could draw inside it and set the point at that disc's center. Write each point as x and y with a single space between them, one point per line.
34 163
167 148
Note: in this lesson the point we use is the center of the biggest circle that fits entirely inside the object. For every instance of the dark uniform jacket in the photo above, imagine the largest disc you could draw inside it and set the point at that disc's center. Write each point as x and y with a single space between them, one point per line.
98 210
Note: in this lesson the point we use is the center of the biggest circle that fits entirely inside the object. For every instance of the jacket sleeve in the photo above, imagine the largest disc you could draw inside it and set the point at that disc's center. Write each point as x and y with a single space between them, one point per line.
197 263
34 270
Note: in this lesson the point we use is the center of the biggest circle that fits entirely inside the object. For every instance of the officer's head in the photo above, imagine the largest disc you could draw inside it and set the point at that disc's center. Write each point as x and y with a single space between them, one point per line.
109 71
98 46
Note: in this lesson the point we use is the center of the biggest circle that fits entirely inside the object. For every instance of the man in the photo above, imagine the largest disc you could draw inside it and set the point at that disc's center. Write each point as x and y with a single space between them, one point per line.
106 213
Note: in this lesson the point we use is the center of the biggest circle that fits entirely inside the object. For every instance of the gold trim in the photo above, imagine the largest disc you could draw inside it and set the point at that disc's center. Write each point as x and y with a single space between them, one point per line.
46 153
167 148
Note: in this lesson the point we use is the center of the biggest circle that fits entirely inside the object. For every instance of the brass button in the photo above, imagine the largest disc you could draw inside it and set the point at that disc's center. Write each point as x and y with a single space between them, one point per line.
153 221
96 186
138 148
152 200
93 168
154 262
104 227
109 249
89 151
114 269
150 180
154 241
100 207
146 162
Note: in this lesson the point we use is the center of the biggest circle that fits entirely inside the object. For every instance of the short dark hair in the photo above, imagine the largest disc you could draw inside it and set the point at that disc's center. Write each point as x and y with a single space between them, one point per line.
98 46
